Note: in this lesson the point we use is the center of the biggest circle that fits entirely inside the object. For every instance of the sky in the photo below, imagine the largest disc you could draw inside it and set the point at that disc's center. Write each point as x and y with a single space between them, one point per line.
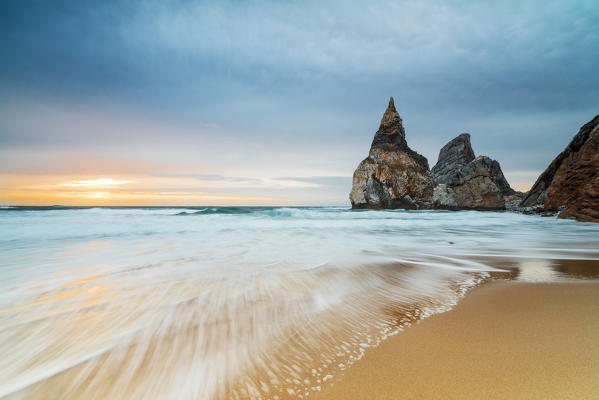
273 102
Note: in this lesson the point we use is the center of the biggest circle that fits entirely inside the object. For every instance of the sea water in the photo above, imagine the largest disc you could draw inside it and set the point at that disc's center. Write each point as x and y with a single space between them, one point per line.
241 302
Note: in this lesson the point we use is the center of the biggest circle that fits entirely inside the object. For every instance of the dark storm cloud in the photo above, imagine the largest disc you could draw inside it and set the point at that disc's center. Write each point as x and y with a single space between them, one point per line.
290 76
512 53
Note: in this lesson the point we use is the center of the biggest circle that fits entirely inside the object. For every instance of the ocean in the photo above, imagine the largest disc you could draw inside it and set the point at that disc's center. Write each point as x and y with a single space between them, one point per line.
241 302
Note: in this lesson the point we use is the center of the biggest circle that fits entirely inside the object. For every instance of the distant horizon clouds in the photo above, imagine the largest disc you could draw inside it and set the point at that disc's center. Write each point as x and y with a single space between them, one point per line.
265 102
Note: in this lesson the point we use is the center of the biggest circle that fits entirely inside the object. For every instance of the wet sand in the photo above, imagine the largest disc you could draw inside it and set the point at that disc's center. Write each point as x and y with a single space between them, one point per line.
504 340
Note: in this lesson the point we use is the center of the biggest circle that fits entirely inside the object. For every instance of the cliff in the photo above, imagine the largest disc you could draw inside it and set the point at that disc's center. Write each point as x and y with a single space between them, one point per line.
570 184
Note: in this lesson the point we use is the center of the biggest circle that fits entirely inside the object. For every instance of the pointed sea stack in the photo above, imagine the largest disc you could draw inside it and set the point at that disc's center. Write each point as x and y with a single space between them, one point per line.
393 175
465 182
571 182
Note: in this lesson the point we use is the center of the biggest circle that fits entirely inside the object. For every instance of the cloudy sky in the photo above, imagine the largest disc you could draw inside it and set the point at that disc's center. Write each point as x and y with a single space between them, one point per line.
271 102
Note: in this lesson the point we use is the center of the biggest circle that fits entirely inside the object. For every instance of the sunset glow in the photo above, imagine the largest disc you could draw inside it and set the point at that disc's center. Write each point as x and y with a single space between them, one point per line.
152 189
95 183
148 190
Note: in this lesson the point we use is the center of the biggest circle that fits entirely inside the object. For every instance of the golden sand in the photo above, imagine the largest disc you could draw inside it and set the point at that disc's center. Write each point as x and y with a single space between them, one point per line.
504 340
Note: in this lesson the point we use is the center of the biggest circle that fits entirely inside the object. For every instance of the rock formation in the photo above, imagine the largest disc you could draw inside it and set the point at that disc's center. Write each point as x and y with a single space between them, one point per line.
393 175
463 181
571 182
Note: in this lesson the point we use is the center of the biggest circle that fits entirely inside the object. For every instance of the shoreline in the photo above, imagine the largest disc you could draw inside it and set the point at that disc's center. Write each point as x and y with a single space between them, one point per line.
260 303
504 339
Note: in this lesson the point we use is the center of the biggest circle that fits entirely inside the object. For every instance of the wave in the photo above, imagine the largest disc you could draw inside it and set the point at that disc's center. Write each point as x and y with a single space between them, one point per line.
224 210
288 331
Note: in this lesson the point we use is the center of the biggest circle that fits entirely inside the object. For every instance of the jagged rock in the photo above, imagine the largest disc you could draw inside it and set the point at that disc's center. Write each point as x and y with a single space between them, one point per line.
454 156
571 182
512 202
465 182
393 175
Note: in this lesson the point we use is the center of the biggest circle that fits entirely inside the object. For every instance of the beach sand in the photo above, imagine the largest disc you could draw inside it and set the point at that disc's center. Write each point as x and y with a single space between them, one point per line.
504 340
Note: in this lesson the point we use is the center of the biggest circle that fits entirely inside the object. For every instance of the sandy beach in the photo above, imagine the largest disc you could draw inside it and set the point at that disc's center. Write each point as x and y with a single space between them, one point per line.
504 340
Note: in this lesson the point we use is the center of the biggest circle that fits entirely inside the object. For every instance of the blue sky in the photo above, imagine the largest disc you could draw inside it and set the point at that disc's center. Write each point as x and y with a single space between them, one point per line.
236 102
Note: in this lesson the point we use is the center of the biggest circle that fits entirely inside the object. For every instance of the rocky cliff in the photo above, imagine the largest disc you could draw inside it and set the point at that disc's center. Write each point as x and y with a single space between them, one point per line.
463 181
393 175
571 182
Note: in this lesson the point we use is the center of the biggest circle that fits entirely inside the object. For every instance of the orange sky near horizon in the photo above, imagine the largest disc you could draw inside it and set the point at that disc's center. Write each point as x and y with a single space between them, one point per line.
147 190
27 189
